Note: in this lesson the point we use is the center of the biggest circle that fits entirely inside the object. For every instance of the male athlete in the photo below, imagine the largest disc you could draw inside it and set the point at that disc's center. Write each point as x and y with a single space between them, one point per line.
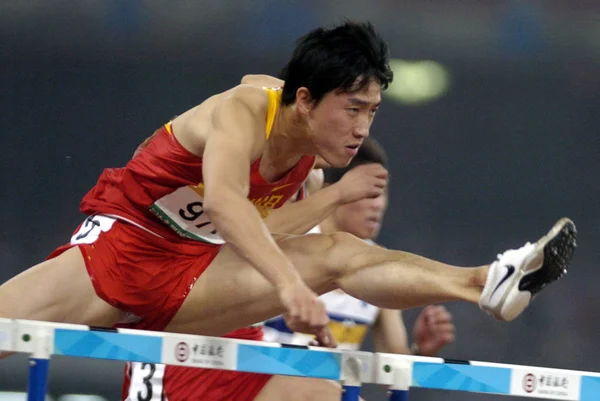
176 240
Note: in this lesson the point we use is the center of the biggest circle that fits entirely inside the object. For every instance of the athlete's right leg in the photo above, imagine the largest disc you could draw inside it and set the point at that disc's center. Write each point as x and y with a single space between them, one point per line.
57 290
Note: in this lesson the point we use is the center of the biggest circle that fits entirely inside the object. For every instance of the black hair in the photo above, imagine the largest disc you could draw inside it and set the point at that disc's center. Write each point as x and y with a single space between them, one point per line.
370 151
333 59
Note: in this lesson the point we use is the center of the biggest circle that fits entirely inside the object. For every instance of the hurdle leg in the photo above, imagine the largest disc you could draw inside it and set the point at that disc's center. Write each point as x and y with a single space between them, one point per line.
397 395
395 371
39 362
402 375
351 379
38 379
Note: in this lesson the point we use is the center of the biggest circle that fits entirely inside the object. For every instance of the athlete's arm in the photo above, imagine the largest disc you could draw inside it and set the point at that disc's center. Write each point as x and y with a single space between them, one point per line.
294 219
226 165
389 333
229 150
361 182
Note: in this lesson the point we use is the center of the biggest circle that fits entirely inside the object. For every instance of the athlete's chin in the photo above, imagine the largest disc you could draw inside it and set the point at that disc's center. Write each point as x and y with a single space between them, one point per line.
338 162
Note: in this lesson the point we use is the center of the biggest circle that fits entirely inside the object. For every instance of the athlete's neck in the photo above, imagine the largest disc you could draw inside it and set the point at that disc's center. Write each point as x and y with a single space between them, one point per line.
285 147
290 135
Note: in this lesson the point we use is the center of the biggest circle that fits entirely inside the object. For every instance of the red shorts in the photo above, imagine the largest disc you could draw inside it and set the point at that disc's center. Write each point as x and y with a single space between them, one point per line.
149 278
138 272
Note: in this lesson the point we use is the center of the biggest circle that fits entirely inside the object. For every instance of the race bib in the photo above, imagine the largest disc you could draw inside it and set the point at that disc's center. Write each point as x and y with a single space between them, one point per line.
183 211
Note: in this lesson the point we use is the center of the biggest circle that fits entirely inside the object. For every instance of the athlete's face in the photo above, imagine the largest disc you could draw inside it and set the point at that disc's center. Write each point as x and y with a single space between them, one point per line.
340 122
362 218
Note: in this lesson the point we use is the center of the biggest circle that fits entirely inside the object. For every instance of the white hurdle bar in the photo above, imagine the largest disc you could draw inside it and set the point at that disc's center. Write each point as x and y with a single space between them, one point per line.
351 368
42 339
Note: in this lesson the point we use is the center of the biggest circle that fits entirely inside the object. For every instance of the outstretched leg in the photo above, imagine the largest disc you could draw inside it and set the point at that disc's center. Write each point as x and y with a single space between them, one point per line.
231 294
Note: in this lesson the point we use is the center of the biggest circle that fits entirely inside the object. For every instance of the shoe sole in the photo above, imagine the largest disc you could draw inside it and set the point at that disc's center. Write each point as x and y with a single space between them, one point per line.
554 253
548 262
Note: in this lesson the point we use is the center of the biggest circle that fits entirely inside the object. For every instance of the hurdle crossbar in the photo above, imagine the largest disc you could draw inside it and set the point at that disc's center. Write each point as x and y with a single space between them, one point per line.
486 377
41 340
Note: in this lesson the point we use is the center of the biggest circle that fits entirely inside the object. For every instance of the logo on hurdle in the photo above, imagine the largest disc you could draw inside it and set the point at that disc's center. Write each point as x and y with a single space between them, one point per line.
529 383
182 352
205 353
546 384
208 350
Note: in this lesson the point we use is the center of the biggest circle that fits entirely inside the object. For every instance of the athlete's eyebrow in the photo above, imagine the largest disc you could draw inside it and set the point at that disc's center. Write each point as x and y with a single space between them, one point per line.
362 102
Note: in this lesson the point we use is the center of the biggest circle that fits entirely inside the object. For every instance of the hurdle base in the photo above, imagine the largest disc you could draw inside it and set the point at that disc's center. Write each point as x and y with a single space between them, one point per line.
350 393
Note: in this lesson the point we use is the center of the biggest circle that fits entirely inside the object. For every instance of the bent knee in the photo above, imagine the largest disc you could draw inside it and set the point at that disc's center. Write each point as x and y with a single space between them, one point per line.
343 239
332 255
312 245
342 256
336 252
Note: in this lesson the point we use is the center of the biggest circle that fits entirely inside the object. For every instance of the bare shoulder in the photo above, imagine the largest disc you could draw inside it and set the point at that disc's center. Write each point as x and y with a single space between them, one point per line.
238 111
251 96
261 80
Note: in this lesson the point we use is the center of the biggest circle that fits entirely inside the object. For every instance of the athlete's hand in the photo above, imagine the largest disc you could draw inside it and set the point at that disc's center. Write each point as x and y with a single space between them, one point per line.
433 330
364 181
305 312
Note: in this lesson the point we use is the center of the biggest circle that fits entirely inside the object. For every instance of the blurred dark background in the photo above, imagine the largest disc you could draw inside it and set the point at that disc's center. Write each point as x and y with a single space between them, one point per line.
492 130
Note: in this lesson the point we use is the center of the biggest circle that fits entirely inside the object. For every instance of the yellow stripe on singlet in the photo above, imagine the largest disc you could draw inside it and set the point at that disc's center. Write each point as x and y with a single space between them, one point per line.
199 189
168 127
274 95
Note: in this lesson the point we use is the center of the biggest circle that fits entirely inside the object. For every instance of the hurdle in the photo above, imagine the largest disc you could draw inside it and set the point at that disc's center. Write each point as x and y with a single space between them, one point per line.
41 340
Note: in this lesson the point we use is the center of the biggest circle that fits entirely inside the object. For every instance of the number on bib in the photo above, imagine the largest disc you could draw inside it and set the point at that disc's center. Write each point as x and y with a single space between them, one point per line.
183 211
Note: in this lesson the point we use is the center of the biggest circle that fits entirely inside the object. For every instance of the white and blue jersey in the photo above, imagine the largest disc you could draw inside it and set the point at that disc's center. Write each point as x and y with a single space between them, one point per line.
350 319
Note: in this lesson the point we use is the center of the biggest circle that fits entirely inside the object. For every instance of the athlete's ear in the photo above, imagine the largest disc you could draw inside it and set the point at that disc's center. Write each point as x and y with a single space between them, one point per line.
304 101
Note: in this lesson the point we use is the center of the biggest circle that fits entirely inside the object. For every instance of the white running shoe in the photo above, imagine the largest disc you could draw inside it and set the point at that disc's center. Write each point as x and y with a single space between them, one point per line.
518 275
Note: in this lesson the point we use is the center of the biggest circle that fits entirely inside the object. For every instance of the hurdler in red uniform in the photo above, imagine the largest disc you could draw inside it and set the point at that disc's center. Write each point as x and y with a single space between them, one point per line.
130 270
160 239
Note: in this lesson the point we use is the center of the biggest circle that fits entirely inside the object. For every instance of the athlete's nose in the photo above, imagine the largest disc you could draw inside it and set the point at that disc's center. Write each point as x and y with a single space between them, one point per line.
361 132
